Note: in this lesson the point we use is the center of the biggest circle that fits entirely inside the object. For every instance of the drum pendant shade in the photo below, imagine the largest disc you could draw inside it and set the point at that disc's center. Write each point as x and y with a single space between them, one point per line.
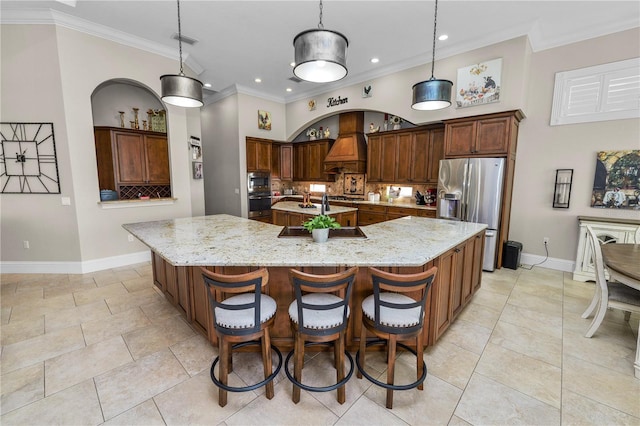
320 55
432 94
178 89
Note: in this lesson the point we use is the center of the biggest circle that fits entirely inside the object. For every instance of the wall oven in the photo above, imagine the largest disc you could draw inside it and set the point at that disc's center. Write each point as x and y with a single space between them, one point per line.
259 194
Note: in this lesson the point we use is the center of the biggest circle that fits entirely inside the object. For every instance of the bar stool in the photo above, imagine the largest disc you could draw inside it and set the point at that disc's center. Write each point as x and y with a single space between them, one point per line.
318 317
391 315
243 316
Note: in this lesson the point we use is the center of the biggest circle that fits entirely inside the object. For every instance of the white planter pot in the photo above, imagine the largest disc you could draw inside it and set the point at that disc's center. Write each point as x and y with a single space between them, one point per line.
320 235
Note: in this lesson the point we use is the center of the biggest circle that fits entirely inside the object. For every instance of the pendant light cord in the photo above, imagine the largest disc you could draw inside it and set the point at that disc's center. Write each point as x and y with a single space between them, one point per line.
180 39
433 57
320 25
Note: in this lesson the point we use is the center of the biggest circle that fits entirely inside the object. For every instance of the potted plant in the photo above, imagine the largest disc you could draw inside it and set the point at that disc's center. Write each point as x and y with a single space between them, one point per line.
319 227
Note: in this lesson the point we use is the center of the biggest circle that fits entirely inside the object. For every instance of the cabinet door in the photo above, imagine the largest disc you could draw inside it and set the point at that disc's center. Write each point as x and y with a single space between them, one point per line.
403 158
264 156
294 219
445 277
252 155
286 162
458 281
460 139
492 136
419 159
157 150
347 219
374 158
478 257
298 162
130 158
314 159
279 217
436 153
275 161
389 149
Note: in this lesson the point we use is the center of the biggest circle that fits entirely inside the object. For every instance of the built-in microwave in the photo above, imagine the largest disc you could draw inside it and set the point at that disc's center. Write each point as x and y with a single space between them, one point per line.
258 182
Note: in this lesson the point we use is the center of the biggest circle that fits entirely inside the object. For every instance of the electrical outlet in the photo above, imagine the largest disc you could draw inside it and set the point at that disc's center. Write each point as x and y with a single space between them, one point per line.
545 240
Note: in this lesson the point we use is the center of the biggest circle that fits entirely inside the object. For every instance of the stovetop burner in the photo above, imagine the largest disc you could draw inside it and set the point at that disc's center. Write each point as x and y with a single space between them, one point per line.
343 198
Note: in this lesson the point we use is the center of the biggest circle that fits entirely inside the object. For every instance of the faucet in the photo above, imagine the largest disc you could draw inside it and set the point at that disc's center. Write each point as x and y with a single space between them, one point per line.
325 204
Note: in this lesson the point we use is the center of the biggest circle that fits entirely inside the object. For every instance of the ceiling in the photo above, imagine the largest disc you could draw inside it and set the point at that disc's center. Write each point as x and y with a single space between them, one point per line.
239 41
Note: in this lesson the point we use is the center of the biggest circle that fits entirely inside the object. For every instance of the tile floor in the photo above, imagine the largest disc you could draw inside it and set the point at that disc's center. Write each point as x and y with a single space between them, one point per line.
106 348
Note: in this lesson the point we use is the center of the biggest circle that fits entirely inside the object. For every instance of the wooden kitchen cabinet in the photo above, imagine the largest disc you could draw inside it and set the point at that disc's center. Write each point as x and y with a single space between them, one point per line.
286 162
132 162
258 155
487 135
308 160
368 214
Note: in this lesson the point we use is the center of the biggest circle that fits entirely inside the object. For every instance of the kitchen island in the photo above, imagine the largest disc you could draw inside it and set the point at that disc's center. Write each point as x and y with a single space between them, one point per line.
293 213
229 244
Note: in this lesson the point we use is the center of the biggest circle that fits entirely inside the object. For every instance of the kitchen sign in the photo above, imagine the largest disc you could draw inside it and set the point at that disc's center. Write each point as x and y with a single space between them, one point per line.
331 102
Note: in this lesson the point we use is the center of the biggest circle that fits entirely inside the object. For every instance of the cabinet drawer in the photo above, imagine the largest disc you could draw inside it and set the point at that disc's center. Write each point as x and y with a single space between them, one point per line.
369 218
372 208
402 211
426 213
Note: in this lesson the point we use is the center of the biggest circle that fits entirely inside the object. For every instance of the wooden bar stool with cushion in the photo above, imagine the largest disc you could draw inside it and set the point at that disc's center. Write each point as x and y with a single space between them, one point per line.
391 315
319 315
242 316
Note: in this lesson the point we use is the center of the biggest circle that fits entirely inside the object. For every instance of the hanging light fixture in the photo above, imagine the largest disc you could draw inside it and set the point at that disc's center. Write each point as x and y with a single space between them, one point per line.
432 94
179 89
320 55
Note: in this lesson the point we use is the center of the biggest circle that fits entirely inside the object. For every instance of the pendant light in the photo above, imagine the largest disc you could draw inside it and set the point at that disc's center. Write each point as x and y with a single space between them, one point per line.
179 89
320 55
432 94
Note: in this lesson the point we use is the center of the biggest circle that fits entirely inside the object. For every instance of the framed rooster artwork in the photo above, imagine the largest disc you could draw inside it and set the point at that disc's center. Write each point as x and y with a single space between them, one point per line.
479 84
264 120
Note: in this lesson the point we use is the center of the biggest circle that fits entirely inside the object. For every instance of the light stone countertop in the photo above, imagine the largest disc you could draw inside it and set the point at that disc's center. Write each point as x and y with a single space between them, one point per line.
294 206
276 200
224 240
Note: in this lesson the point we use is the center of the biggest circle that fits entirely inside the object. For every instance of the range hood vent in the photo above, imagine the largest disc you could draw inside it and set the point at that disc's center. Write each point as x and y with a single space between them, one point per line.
349 151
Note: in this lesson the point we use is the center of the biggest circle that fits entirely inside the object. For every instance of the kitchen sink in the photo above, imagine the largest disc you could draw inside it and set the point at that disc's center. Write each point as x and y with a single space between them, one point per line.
344 232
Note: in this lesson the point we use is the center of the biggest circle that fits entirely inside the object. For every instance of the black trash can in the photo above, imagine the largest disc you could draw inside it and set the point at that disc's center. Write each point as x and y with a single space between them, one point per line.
511 254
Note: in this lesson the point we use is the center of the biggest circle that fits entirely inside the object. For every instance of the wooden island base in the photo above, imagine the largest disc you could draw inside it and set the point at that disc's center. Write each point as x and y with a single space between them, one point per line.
459 277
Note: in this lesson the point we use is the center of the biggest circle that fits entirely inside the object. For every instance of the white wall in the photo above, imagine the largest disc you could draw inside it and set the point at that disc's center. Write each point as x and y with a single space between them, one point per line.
112 97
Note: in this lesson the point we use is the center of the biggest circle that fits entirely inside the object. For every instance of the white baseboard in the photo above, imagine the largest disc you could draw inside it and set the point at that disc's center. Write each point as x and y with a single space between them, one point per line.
550 263
74 267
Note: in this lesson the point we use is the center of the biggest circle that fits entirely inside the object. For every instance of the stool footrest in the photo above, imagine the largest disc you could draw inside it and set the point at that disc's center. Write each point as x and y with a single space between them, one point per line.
217 382
387 385
319 388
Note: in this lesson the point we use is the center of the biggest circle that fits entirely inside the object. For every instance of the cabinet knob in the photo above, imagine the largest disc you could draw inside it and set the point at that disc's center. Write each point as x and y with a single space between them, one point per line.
457 250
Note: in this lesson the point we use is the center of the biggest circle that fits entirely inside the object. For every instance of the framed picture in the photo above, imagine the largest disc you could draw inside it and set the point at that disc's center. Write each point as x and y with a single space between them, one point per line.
196 148
616 184
312 105
197 169
353 184
366 91
479 84
264 120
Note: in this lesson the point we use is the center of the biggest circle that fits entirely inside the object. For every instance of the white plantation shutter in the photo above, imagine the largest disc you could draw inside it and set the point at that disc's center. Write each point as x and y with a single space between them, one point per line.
603 92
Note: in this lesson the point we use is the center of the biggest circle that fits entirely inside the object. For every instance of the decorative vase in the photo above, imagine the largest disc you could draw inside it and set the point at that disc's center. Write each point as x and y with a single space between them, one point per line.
320 235
396 127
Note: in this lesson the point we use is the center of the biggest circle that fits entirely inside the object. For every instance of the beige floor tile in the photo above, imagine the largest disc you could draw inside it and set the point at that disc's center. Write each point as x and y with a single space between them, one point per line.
15 299
106 278
527 342
451 363
467 335
436 402
5 314
17 331
40 281
67 287
38 349
536 303
540 322
490 299
578 410
457 421
616 390
144 270
138 283
195 354
85 297
159 310
77 315
546 289
498 283
77 405
281 410
578 289
480 315
125 387
126 301
114 325
248 367
487 402
145 414
530 376
22 387
157 336
363 411
74 367
41 307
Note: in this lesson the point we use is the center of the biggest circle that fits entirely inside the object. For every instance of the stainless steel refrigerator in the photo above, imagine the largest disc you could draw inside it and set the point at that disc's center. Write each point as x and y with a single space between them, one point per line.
470 190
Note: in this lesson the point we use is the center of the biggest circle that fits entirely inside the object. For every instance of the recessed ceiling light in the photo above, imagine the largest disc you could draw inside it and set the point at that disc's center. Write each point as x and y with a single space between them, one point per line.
375 60
258 80
207 85
289 89
293 64
443 37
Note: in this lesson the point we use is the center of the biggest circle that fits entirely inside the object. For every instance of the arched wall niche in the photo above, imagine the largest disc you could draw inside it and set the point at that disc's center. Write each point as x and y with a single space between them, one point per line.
116 95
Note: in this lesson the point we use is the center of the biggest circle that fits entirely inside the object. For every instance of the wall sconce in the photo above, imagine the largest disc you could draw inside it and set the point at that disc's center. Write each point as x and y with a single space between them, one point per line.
562 191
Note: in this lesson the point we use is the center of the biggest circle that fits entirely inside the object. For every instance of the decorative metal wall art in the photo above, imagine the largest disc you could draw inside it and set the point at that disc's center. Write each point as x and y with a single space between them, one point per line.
28 162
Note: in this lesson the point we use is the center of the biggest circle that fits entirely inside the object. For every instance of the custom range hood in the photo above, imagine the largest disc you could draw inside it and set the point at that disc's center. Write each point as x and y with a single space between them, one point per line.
349 151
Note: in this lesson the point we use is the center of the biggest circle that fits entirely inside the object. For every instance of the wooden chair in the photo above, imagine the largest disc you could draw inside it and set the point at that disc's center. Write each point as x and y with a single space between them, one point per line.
243 316
319 315
607 294
391 315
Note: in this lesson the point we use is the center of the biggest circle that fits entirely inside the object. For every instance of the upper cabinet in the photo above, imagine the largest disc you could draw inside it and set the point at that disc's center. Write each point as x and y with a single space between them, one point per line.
286 161
133 162
308 160
258 155
486 135
405 156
